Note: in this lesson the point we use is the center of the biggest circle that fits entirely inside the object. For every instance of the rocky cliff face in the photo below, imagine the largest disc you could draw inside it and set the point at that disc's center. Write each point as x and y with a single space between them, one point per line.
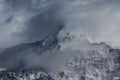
24 75
98 63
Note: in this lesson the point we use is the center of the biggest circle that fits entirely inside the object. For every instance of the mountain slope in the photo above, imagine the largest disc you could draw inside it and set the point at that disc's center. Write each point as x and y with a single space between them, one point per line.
33 61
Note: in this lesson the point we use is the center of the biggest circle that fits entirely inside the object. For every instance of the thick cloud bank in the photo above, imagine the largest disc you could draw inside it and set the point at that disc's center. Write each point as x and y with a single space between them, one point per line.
27 20
97 20
24 21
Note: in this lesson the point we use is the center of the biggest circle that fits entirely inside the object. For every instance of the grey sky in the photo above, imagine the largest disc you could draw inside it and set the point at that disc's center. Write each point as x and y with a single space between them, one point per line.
24 21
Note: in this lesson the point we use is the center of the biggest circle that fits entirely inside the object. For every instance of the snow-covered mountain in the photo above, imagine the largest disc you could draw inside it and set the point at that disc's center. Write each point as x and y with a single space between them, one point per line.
36 48
33 61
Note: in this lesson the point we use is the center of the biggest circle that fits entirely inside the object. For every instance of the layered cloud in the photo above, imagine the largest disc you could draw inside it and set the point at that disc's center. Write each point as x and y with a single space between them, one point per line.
31 20
27 20
24 21
97 20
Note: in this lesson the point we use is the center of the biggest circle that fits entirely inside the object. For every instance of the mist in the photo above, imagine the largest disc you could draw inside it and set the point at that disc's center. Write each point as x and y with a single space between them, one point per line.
87 21
24 21
97 20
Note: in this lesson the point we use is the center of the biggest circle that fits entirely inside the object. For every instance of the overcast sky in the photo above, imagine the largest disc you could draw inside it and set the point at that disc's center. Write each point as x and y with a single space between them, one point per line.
24 21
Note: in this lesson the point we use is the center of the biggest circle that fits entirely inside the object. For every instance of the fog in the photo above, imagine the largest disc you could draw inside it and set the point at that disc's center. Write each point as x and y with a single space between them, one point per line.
86 22
31 20
25 21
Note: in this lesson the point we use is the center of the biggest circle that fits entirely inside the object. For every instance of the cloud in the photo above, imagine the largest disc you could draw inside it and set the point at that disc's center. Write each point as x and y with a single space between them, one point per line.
27 20
98 21
31 20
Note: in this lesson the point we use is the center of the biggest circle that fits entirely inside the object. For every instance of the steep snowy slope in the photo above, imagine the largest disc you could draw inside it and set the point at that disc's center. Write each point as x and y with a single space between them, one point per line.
94 64
87 48
11 57
60 58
